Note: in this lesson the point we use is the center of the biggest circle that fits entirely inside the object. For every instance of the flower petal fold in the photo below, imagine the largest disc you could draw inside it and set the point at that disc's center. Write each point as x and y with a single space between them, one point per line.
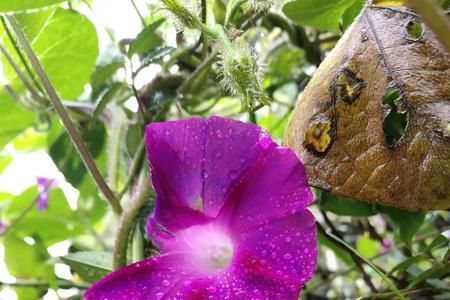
195 163
276 186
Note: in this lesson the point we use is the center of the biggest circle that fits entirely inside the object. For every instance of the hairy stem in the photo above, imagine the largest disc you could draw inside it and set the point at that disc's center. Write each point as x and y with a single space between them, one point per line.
75 136
126 224
435 18
20 54
26 82
134 168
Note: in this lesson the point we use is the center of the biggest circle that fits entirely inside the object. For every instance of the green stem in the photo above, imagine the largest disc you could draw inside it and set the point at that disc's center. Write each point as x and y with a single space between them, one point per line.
19 53
138 13
342 244
233 7
19 73
126 224
64 284
406 292
137 245
435 17
204 65
74 135
134 168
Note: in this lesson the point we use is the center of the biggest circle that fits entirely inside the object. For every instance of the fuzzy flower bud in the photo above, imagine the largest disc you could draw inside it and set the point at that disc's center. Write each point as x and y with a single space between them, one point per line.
184 15
241 73
262 6
181 12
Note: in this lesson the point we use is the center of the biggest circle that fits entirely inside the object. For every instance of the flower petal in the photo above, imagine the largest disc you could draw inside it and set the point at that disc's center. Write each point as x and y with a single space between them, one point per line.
175 151
276 186
153 278
284 251
195 163
232 147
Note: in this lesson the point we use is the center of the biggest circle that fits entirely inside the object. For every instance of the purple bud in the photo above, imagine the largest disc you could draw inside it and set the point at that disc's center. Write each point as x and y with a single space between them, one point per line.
44 187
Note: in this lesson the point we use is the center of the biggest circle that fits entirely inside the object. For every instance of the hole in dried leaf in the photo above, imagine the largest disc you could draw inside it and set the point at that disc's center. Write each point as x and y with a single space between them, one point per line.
395 123
347 87
414 30
318 136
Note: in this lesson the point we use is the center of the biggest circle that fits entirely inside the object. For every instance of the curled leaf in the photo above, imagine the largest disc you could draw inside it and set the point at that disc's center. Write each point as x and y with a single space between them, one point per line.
385 91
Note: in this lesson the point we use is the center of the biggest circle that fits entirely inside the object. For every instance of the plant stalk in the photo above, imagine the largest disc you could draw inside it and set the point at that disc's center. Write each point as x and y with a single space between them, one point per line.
126 224
74 135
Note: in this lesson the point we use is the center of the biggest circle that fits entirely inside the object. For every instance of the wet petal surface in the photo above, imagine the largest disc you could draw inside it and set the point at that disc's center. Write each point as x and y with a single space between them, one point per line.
275 187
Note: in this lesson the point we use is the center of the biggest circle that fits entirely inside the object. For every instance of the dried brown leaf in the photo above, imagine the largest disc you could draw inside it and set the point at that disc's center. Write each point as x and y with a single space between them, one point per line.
376 55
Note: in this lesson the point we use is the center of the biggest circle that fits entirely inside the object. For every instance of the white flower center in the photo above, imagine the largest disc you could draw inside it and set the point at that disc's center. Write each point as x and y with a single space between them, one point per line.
207 246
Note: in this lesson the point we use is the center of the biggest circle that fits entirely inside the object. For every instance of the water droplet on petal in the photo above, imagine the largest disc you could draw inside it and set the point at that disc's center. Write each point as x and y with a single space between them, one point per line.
287 256
165 282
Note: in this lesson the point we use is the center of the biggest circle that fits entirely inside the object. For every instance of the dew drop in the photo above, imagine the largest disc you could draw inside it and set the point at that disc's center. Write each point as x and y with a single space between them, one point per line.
288 239
232 175
165 282
287 256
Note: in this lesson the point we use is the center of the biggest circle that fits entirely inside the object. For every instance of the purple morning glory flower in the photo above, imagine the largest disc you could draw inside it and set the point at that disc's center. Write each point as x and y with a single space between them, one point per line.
230 218
44 187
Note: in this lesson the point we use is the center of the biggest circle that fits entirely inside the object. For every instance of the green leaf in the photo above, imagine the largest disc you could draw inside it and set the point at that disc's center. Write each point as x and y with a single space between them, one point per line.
274 125
320 14
352 12
27 293
67 47
146 40
367 247
154 55
4 161
437 271
14 120
346 206
24 260
439 240
407 222
32 23
91 266
18 5
67 159
57 223
106 96
404 265
102 75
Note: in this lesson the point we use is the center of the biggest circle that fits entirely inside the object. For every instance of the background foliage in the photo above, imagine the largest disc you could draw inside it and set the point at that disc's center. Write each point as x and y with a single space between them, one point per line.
112 86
